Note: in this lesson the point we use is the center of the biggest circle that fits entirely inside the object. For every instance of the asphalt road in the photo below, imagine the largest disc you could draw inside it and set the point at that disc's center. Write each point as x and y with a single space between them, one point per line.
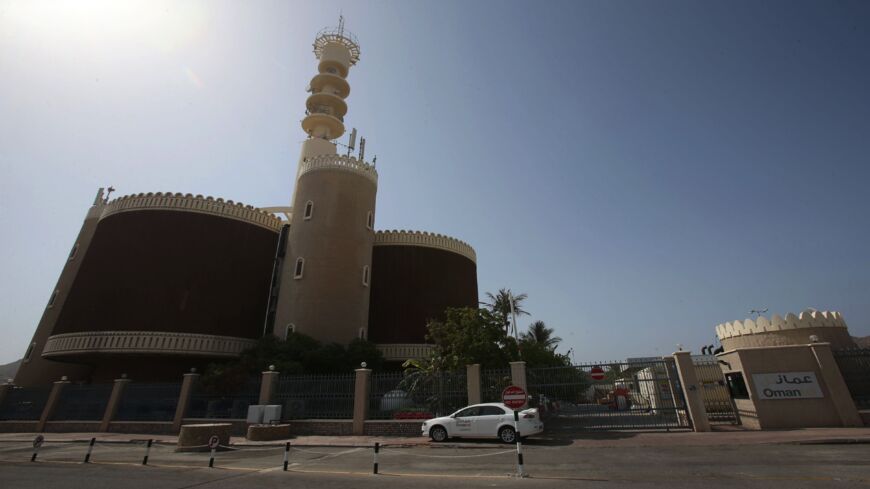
757 466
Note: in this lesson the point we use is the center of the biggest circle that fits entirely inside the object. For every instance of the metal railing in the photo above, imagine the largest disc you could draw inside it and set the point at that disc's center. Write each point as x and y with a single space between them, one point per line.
82 402
309 396
149 402
416 394
205 404
855 367
24 403
493 382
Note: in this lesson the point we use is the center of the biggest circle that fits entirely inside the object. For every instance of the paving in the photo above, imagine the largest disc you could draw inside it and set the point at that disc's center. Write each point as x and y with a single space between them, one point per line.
793 458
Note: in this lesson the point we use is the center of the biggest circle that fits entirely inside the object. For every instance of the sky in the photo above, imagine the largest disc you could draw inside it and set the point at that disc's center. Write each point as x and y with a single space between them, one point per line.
643 170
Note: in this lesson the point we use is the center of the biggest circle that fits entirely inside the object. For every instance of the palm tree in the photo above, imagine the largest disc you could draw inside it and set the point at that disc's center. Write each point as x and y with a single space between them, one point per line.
541 334
500 305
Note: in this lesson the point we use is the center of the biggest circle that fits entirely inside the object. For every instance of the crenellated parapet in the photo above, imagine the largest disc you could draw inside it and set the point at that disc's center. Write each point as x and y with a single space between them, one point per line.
192 203
339 162
806 319
421 238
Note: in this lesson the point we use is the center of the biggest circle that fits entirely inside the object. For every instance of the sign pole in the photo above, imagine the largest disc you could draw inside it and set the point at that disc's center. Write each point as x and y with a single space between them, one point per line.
520 471
37 442
286 455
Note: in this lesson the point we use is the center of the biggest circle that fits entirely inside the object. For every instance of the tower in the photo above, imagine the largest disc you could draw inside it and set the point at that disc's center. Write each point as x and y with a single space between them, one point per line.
326 273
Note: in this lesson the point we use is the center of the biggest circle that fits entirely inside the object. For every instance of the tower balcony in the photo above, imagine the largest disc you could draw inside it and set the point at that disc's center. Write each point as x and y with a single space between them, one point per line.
323 124
83 345
326 103
326 82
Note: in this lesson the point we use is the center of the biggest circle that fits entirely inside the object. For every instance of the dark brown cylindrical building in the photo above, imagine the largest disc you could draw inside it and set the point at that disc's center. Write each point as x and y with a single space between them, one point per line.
415 278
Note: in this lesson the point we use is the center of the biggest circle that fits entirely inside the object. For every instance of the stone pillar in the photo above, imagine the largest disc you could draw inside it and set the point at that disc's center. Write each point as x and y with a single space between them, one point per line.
187 386
51 403
114 402
518 378
4 391
268 386
691 391
361 400
472 376
840 396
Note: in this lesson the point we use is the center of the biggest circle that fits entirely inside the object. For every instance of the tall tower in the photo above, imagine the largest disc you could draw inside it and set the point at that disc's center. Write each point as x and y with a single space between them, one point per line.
326 273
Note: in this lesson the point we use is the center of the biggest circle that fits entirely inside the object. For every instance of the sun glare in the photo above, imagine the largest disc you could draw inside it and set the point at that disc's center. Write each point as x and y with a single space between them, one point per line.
162 24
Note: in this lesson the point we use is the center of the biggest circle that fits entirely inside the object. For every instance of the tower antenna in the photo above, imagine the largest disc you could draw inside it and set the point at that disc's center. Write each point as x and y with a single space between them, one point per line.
352 145
362 149
340 24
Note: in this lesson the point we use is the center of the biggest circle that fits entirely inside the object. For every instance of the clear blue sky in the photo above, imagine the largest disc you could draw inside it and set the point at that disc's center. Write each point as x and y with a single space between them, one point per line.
643 170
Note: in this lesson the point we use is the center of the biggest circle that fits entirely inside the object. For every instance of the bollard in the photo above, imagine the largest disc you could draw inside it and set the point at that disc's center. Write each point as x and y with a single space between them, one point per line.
33 458
520 471
286 455
375 466
211 458
90 449
147 451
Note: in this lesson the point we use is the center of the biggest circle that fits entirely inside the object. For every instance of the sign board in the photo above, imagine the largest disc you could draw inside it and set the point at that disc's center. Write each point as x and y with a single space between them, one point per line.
38 441
513 397
597 373
787 385
213 442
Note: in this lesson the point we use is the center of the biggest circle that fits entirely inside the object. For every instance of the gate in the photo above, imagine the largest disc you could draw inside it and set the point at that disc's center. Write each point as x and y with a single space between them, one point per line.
855 368
639 394
717 399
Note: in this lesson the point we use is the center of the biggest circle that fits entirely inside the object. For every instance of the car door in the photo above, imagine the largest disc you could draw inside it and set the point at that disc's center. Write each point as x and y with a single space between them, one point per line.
486 424
463 421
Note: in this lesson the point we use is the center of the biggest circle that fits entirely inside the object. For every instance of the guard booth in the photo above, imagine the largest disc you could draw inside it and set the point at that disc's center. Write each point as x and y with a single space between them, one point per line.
793 386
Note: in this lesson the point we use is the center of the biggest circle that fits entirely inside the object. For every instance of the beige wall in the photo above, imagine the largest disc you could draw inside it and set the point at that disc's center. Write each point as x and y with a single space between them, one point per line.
838 338
330 301
785 413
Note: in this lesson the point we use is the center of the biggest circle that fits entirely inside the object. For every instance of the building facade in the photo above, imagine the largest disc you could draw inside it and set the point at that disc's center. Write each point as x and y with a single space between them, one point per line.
159 283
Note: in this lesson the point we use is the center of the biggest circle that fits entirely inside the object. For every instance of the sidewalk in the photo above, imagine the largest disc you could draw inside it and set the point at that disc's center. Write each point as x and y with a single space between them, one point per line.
578 439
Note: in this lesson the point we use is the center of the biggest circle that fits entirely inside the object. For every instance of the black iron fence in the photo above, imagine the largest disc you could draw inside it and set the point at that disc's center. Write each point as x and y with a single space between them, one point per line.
149 402
24 403
416 394
493 382
316 396
631 395
855 368
207 404
82 402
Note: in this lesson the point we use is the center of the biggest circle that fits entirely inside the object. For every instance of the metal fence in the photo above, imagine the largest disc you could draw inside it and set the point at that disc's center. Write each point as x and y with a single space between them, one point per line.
82 402
205 404
493 382
149 402
855 368
24 403
631 395
416 395
316 396
717 399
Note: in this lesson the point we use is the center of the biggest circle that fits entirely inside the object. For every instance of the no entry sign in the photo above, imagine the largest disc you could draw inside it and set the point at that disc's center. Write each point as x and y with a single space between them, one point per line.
513 397
597 373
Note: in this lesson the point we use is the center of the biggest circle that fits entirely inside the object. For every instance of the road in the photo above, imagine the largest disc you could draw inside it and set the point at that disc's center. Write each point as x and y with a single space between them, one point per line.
475 465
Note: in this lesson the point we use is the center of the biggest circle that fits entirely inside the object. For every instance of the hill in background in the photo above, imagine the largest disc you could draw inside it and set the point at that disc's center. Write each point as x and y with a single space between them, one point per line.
8 371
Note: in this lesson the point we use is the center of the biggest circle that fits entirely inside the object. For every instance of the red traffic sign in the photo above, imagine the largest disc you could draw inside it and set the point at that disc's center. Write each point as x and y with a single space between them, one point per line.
213 442
513 397
597 373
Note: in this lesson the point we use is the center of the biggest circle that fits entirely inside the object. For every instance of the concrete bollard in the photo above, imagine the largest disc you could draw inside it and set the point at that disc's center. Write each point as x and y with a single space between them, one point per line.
90 449
375 463
286 455
147 452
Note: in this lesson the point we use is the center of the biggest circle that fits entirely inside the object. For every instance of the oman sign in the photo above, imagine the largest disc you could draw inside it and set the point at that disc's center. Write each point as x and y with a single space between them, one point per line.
787 385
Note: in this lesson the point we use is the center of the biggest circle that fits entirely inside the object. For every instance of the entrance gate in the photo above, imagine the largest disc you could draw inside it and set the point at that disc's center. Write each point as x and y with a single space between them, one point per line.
638 394
717 399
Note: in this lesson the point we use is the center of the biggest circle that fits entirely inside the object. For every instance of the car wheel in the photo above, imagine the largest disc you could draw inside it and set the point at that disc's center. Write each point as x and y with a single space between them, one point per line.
507 434
438 433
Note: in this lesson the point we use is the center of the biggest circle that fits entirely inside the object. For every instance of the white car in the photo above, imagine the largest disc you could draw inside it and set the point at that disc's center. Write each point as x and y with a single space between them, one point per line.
491 420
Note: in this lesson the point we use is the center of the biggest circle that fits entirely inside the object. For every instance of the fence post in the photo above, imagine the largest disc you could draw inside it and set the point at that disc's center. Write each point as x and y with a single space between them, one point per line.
361 400
114 402
472 375
518 377
267 385
187 386
51 403
694 396
839 391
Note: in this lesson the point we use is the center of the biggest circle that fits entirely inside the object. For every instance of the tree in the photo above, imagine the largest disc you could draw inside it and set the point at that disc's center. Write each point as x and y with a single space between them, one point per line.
500 306
540 334
469 335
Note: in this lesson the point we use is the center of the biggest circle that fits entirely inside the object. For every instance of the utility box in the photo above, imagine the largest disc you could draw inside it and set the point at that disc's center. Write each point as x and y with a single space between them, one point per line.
272 414
255 414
